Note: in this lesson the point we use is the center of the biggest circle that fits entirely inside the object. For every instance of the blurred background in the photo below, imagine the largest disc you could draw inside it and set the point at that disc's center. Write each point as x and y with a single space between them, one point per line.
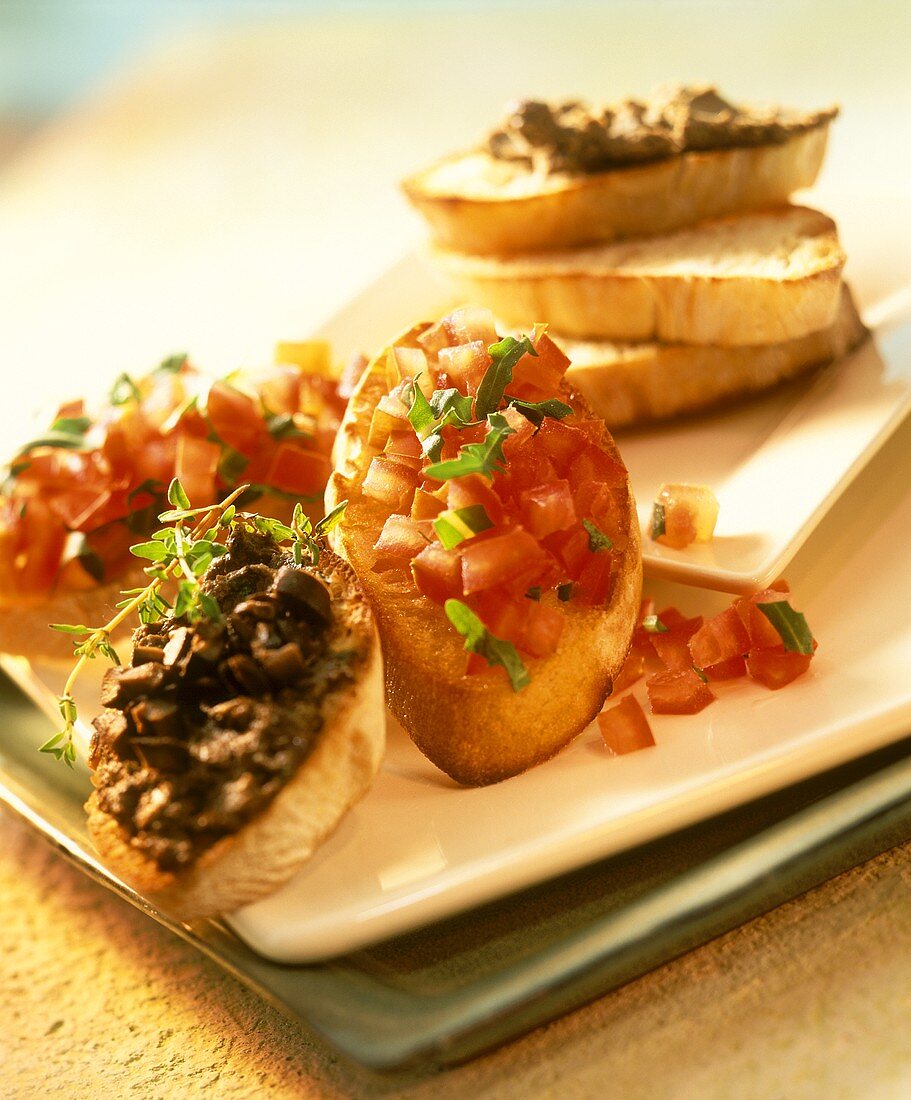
212 175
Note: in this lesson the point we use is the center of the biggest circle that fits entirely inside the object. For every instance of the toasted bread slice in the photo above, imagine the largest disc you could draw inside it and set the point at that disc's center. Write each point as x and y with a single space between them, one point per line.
751 279
631 384
477 204
475 728
268 849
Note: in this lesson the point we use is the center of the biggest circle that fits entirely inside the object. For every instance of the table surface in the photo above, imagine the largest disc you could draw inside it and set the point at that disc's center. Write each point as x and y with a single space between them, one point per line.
237 188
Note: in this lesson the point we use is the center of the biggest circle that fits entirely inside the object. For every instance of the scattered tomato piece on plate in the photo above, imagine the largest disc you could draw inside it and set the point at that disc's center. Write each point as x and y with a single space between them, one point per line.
684 514
624 727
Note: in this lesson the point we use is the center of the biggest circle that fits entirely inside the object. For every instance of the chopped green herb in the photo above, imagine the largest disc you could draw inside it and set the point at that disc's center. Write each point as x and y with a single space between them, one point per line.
597 540
231 466
478 639
791 626
504 356
702 676
565 592
72 425
534 593
283 426
536 411
172 365
651 624
476 458
458 524
123 390
658 528
428 418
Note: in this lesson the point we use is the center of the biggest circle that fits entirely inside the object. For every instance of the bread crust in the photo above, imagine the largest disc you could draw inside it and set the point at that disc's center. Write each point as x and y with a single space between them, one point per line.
631 384
268 850
475 728
743 280
636 201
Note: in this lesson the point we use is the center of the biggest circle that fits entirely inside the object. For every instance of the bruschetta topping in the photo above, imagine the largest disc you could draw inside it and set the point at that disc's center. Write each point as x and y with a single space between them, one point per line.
502 499
76 497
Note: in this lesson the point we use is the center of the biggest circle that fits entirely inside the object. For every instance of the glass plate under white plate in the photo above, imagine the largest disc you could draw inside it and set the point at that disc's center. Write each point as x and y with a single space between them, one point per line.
418 848
776 463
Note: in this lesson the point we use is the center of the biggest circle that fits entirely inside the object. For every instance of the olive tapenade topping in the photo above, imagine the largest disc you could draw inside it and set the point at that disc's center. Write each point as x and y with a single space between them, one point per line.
574 137
212 717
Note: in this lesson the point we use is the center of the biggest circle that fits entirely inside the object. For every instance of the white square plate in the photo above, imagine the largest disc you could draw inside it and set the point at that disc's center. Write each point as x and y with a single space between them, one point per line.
418 847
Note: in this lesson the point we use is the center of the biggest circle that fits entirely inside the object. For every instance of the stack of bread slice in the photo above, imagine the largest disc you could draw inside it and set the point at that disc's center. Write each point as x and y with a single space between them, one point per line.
657 321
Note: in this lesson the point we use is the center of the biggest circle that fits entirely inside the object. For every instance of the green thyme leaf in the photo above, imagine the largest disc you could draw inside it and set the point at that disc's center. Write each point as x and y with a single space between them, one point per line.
68 628
176 495
791 626
274 528
536 411
123 390
476 458
458 524
331 519
172 365
504 355
153 551
651 624
658 528
597 540
478 639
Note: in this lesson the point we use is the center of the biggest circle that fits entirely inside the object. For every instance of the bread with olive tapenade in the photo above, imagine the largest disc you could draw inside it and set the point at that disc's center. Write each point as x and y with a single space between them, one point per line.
218 772
631 384
476 728
489 203
747 279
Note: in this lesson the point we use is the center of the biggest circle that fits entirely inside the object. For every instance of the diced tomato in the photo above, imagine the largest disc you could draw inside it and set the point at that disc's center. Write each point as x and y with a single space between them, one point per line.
678 691
720 638
624 727
690 514
543 629
474 489
279 385
295 470
401 539
509 557
560 442
42 541
391 483
548 508
632 670
155 460
590 463
672 645
234 417
570 547
776 666
595 581
608 507
196 466
530 625
544 371
758 627
403 445
466 364
471 324
425 505
437 573
727 670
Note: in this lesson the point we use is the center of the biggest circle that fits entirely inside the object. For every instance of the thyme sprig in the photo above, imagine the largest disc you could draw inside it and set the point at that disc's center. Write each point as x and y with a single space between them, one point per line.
183 554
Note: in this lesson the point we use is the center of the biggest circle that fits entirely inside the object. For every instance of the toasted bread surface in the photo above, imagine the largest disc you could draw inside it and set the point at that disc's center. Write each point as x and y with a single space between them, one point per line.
270 848
743 280
478 205
629 384
475 728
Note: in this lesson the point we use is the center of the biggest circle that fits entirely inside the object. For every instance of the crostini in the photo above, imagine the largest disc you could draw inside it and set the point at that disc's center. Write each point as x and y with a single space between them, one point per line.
556 176
78 496
488 511
231 746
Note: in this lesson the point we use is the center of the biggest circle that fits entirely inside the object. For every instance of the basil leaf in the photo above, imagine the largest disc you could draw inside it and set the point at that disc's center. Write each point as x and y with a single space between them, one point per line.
458 524
176 494
428 418
478 639
231 466
535 411
658 528
597 540
504 356
565 592
452 405
282 426
651 624
420 415
72 425
476 458
123 390
791 626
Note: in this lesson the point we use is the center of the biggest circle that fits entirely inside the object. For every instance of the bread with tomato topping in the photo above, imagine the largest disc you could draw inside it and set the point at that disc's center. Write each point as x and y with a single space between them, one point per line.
82 493
523 545
749 279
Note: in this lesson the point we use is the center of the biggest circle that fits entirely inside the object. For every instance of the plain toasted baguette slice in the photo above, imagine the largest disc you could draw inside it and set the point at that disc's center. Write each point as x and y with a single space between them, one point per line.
749 279
631 384
477 204
475 728
267 851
